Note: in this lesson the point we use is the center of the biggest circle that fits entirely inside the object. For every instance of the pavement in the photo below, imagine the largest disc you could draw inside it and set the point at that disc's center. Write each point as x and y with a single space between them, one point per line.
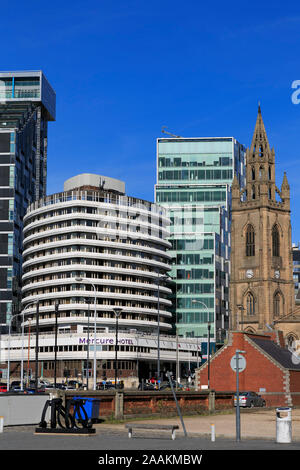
258 432
255 424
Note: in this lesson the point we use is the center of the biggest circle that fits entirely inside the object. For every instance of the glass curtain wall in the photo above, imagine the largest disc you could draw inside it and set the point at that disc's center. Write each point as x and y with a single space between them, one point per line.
194 179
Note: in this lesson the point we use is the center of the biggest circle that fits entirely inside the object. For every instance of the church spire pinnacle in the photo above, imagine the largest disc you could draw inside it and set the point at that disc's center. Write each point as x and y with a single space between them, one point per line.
260 170
260 144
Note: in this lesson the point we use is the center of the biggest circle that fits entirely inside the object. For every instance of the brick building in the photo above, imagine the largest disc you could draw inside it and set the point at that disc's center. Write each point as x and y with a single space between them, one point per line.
271 369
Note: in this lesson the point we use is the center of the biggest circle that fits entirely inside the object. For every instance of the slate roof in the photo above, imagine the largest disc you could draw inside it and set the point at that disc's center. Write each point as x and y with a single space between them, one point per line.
281 355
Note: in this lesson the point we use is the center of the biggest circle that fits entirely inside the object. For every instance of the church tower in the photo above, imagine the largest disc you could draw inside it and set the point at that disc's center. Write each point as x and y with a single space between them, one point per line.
261 282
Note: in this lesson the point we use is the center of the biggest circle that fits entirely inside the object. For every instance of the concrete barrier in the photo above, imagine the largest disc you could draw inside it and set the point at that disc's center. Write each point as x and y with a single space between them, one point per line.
22 409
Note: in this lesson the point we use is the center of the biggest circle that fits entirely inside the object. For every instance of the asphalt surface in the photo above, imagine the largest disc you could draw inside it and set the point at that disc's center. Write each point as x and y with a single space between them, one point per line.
110 445
113 448
106 439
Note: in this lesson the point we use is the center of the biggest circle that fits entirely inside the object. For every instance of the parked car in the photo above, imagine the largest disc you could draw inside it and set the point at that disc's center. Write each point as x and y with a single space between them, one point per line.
41 383
44 383
167 386
61 386
249 399
31 390
146 386
107 385
16 389
15 383
74 384
48 387
3 388
153 380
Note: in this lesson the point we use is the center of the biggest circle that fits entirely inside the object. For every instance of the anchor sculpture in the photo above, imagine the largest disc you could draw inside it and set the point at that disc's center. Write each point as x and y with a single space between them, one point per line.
63 421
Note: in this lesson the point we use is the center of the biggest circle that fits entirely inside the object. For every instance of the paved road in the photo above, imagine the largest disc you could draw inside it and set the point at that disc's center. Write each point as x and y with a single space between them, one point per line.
255 424
106 439
111 443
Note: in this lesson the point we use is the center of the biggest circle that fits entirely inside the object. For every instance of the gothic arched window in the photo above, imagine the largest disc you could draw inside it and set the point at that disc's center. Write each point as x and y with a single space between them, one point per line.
250 304
277 304
290 341
275 241
250 241
253 173
261 151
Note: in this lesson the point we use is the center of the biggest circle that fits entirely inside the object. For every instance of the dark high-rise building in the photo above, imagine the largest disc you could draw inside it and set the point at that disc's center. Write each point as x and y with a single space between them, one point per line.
27 103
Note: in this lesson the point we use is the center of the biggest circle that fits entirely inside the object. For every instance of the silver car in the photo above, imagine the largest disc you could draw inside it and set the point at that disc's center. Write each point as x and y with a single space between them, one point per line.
250 399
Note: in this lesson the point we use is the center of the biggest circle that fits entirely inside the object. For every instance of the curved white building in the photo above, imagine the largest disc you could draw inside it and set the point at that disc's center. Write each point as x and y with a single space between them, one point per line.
90 250
87 243
92 247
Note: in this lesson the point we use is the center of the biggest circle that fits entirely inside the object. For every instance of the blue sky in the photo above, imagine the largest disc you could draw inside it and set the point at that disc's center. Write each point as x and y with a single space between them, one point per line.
124 69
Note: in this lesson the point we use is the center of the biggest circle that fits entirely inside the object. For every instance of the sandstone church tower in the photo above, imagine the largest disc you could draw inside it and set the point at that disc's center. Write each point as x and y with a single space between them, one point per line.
261 283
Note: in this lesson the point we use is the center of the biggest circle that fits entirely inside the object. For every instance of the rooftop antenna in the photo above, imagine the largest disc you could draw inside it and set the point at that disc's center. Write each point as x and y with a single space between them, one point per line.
169 133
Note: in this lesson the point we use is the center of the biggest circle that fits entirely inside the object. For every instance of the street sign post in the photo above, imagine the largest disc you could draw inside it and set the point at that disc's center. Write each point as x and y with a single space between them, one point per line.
238 364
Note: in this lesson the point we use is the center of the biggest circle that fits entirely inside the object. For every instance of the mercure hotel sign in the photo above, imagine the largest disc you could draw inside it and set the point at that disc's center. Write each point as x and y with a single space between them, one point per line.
106 341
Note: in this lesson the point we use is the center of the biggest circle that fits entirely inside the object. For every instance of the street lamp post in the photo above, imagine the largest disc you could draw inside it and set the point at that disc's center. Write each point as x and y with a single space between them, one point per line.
88 350
242 309
208 339
158 336
117 311
22 362
8 353
158 325
37 345
81 279
55 342
22 348
177 374
208 355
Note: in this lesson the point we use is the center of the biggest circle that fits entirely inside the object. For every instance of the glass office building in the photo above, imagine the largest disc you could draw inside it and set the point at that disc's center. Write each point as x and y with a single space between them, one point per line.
27 103
194 177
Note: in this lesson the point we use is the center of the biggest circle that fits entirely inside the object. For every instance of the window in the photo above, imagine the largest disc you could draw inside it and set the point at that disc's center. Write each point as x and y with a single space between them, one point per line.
250 241
277 306
250 304
275 241
261 151
290 340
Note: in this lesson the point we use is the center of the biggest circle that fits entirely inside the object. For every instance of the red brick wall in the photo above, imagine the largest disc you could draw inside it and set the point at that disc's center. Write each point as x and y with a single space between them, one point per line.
259 372
164 403
148 403
295 387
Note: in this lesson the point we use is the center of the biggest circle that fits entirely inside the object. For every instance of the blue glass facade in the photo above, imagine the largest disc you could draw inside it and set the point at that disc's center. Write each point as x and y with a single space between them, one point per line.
194 178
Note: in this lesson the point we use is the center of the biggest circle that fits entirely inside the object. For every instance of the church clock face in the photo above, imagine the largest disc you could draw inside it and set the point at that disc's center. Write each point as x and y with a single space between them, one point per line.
249 273
277 274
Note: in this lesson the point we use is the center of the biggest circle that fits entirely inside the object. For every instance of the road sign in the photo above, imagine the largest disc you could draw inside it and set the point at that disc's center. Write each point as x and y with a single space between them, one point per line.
241 362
